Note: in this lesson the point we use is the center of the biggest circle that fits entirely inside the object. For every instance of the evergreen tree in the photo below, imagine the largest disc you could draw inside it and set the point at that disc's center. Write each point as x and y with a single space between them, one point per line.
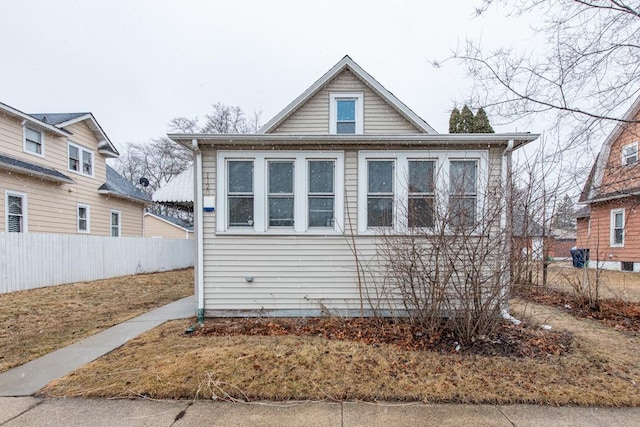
466 120
564 215
454 121
481 122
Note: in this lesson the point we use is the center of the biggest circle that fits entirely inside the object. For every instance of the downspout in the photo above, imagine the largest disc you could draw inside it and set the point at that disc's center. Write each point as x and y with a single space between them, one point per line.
199 230
507 220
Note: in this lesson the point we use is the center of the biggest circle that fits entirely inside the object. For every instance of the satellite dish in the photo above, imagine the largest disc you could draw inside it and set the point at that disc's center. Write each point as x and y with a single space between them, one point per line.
144 182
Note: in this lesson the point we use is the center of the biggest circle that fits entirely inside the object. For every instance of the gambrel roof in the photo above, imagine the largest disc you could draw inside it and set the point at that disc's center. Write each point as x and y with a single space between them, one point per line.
347 63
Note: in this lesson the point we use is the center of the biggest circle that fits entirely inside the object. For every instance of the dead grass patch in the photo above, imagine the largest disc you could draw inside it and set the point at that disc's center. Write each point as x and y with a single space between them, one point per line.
38 321
167 364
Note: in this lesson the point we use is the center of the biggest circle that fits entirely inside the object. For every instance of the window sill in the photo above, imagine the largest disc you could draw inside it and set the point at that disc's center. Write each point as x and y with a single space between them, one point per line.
313 232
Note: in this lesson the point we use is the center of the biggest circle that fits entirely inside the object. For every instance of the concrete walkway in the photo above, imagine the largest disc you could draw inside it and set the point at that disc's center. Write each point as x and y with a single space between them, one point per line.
29 411
27 379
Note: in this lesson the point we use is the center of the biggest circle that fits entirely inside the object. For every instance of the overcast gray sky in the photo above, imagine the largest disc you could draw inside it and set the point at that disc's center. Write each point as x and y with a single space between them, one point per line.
137 64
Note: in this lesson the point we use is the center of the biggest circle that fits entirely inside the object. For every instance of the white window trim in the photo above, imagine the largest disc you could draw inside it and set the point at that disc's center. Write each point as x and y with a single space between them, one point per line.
24 140
25 209
119 223
301 219
612 224
81 149
401 199
333 110
88 219
634 145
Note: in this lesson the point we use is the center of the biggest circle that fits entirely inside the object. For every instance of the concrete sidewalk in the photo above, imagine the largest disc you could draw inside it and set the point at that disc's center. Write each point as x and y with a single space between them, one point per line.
29 411
27 379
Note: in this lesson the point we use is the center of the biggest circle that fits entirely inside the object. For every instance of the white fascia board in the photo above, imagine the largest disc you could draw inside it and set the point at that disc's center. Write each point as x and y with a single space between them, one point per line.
38 123
37 174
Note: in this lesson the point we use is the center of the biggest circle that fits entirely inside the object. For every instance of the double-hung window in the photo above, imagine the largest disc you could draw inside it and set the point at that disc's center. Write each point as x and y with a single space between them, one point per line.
321 193
80 159
280 192
116 221
463 193
380 193
83 219
421 193
617 227
33 141
630 154
346 113
240 193
16 212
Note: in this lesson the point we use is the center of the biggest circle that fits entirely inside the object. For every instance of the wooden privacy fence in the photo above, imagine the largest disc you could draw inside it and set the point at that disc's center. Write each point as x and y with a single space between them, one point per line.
35 260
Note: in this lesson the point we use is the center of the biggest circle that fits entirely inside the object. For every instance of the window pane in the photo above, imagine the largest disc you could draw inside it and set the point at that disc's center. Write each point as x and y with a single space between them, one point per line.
618 220
462 211
15 205
420 212
87 162
15 224
380 212
346 109
618 236
240 211
281 177
346 127
380 177
241 176
462 177
421 176
321 176
321 212
74 158
33 135
281 212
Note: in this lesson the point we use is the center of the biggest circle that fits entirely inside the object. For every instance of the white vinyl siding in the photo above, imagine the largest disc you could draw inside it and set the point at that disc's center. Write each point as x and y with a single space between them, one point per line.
378 116
15 212
33 141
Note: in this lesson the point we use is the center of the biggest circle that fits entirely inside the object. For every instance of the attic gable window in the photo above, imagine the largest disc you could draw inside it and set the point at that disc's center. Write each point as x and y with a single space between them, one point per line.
346 113
33 141
630 154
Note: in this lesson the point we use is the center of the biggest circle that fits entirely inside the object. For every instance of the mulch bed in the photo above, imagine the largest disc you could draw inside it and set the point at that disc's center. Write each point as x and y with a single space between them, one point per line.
615 313
510 340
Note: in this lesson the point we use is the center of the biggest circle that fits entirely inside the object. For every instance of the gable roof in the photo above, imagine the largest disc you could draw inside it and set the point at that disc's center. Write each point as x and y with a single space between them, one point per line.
119 186
366 78
591 189
62 120
32 169
33 120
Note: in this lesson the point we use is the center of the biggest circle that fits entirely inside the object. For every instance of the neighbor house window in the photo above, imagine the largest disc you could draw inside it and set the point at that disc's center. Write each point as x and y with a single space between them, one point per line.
346 113
281 192
409 189
630 154
83 219
617 227
33 141
116 223
240 193
421 193
15 212
80 159
463 193
321 193
380 193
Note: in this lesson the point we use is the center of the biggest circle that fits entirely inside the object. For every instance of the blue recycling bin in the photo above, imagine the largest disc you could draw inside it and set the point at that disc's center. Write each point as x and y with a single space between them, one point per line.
580 257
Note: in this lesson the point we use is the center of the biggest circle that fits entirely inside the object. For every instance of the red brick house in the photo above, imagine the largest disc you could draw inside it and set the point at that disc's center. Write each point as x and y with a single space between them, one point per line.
610 226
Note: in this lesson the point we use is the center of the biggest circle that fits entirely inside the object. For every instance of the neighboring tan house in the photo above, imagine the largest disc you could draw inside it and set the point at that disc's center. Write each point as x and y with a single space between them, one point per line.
166 227
610 225
279 214
54 177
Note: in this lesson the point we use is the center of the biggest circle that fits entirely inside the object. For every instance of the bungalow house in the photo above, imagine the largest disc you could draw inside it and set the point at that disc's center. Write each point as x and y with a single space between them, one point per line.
54 177
609 226
285 217
158 226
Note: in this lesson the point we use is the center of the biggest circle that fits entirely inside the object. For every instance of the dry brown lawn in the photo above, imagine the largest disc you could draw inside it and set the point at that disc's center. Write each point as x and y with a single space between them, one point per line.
36 322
